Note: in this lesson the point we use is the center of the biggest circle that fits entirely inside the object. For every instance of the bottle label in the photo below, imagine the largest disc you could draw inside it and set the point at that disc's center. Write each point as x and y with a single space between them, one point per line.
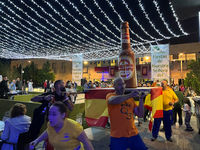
126 67
125 37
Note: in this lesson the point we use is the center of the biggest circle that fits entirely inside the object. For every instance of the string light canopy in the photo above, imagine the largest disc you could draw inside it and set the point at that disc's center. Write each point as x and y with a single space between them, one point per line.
60 29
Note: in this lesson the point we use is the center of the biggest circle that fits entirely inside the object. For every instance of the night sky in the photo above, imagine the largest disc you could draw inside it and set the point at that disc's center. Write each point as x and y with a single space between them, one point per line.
32 27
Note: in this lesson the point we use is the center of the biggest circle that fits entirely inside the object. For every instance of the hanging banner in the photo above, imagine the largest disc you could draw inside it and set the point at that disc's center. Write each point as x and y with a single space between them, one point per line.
77 68
160 62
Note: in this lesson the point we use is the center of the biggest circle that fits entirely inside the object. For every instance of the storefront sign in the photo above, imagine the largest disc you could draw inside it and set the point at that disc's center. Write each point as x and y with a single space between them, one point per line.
160 62
77 68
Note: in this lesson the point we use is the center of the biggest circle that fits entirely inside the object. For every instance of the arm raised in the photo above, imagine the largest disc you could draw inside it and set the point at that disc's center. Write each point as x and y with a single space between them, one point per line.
121 98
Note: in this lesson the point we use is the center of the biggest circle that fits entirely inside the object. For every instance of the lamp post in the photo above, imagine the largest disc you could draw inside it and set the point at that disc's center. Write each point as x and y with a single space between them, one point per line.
181 56
22 71
199 26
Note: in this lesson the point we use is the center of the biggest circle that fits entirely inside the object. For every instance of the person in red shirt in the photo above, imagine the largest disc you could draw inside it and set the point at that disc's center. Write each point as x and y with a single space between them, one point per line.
121 108
45 85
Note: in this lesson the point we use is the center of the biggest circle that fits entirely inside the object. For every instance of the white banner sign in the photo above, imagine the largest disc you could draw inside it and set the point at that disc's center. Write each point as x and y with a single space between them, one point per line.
160 62
77 68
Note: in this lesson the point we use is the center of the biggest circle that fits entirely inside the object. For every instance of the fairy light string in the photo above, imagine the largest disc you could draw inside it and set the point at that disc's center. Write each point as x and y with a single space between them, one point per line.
38 29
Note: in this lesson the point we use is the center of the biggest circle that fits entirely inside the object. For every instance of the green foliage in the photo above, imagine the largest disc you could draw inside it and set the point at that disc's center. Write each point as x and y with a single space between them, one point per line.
47 73
46 67
38 75
6 70
14 74
31 72
192 79
4 67
79 89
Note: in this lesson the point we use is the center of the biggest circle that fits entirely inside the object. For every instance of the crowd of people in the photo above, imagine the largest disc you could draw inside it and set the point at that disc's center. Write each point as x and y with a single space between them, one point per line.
180 104
14 86
97 84
122 108
70 88
63 133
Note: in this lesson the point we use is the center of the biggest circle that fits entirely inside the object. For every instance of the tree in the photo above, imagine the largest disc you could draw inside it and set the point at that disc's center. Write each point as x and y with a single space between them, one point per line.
192 79
46 66
47 72
30 72
38 75
4 67
6 70
14 73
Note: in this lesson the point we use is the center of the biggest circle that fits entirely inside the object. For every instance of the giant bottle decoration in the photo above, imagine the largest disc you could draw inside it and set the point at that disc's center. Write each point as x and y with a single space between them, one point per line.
127 69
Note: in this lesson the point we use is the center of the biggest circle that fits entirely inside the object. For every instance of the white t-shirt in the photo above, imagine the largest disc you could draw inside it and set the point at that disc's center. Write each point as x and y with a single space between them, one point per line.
186 107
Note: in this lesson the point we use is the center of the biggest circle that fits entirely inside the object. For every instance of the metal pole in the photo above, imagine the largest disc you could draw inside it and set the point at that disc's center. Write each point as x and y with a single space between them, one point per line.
22 77
181 58
21 72
199 26
181 69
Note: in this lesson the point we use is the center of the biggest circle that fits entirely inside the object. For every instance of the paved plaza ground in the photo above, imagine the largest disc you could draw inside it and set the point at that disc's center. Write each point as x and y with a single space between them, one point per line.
182 140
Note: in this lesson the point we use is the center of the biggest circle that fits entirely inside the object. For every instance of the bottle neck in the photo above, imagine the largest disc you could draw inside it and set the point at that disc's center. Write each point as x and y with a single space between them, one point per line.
125 38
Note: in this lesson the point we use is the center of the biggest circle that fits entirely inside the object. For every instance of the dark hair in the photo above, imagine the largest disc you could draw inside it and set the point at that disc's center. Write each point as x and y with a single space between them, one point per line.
57 82
61 106
18 110
187 101
165 80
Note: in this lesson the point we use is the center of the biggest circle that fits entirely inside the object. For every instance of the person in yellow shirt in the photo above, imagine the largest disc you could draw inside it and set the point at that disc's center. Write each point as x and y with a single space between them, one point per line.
169 98
63 133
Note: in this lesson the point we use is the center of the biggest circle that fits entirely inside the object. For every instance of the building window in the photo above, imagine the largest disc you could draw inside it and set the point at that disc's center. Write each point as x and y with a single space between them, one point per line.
144 71
191 56
36 65
113 63
137 61
175 56
54 67
63 68
144 60
85 69
171 57
182 56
